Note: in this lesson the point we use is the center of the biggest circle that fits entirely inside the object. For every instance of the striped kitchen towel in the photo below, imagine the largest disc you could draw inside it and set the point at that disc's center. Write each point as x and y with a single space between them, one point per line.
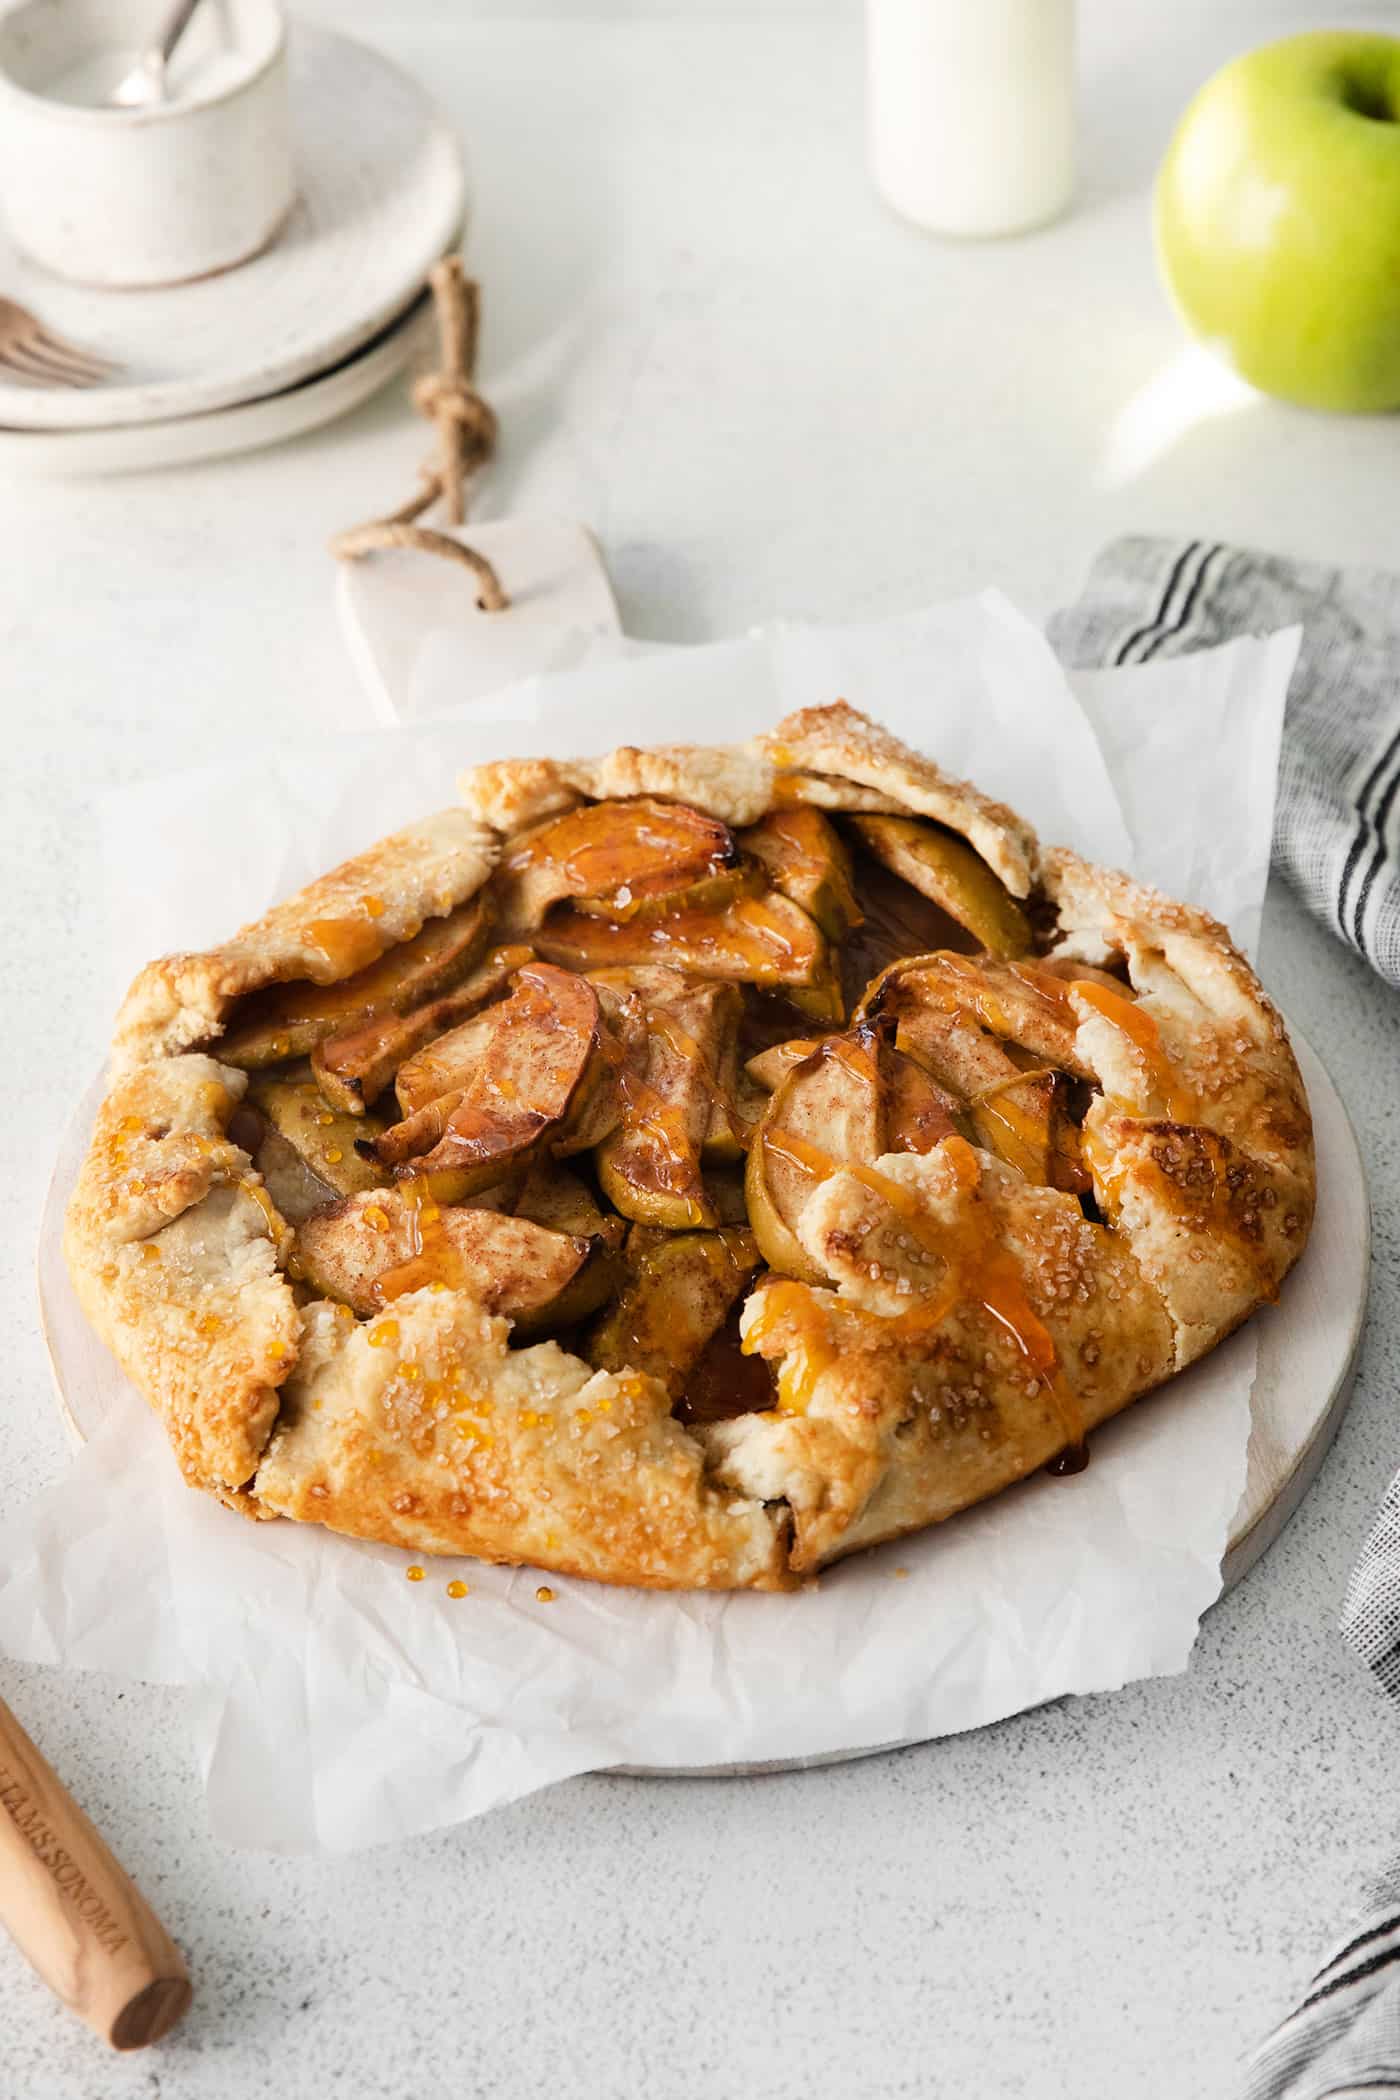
1337 824
1337 838
1343 2037
1343 2040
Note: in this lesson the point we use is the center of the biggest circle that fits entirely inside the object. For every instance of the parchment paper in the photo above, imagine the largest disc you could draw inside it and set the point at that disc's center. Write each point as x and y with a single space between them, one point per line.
340 1705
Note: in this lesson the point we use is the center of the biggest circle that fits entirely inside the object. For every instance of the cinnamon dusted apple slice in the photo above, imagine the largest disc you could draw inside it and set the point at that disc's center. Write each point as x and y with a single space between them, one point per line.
942 1017
295 1190
353 1067
374 1247
919 1113
677 1295
735 1102
769 1068
1017 1002
806 859
945 868
738 1104
616 856
1027 1122
447 1064
829 1112
727 1128
416 1134
324 1140
288 1020
541 1043
623 998
765 939
649 1168
952 1047
554 1197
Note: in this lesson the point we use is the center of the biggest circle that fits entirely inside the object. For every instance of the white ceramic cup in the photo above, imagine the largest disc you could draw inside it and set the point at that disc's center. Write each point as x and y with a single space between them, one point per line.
124 197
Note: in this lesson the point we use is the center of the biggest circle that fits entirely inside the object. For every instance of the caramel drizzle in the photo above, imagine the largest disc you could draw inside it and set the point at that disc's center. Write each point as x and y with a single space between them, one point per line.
685 1046
968 997
786 1303
979 1270
666 853
1146 1039
855 1054
768 933
646 1112
349 945
748 930
431 1258
1046 985
990 1091
272 1217
494 1116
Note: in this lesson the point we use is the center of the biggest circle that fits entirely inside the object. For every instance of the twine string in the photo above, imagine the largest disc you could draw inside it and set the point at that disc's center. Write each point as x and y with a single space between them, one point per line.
466 437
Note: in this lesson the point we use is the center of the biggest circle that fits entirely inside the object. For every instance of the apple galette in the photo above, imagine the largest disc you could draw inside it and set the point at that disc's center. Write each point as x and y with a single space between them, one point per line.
685 1166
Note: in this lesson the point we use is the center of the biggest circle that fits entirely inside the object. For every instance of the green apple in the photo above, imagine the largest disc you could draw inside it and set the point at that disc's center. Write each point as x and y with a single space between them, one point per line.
1278 218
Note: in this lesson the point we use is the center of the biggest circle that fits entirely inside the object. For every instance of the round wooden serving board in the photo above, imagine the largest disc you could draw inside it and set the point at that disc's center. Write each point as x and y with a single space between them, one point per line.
1307 1347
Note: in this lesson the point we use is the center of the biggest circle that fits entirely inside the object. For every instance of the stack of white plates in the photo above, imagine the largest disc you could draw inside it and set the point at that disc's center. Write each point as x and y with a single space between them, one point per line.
303 332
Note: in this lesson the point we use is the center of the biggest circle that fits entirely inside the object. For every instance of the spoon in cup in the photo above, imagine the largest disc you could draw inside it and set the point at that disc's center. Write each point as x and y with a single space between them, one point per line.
145 83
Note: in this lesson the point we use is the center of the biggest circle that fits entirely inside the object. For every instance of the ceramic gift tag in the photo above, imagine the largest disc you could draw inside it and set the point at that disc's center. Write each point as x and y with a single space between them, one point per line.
414 626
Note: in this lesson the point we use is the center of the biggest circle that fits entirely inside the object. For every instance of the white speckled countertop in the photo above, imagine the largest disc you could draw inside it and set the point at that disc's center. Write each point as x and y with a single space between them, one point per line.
704 337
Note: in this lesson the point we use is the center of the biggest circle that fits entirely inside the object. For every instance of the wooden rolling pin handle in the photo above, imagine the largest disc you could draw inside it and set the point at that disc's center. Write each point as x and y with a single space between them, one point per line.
73 1911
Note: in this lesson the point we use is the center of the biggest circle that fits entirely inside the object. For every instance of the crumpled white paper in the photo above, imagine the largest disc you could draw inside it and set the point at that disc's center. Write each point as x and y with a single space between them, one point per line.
341 1705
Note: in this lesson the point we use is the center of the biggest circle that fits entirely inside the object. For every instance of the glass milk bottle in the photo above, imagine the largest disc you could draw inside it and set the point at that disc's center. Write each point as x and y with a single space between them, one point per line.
971 111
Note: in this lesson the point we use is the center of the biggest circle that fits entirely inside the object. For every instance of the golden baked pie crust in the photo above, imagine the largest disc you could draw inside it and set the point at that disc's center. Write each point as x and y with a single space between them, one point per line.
420 1426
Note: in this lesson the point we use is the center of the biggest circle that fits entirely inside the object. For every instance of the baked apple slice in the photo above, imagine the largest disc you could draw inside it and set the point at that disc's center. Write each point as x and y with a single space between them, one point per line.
295 1190
353 1067
322 1138
767 1069
765 939
649 1168
1017 1105
613 857
829 1112
373 1248
1021 1003
539 1044
289 1020
804 856
945 868
710 894
554 1197
919 1113
446 1064
851 1100
951 1046
1027 1122
678 1293
738 1104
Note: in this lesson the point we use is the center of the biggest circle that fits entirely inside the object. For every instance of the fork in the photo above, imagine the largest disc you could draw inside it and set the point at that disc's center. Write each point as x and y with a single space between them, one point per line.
27 346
